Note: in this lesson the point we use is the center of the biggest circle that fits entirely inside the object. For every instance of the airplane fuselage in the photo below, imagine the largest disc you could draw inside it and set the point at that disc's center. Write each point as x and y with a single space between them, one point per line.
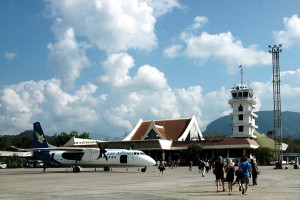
86 156
90 158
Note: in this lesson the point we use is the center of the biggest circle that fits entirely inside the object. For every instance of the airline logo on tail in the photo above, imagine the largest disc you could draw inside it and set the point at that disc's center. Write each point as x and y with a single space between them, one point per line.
39 137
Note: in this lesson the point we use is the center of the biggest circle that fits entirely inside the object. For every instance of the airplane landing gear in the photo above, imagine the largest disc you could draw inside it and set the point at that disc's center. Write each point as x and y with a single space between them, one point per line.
106 169
144 169
76 169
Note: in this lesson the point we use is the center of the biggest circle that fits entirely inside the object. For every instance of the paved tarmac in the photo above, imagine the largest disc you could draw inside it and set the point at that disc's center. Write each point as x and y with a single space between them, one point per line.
179 183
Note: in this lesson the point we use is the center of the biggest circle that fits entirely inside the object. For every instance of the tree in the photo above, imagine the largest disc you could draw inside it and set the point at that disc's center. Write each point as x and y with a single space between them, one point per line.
3 142
84 135
294 144
23 140
264 155
192 153
15 161
63 138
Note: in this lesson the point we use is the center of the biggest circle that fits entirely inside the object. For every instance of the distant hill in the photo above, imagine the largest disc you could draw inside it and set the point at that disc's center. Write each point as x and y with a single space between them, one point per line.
265 123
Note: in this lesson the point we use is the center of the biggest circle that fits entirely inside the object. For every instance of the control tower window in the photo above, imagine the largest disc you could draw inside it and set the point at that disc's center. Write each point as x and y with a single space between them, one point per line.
241 117
240 108
245 94
241 129
234 95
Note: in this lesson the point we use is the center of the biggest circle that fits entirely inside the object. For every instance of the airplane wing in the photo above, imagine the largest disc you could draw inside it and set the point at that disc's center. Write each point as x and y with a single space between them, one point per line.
72 149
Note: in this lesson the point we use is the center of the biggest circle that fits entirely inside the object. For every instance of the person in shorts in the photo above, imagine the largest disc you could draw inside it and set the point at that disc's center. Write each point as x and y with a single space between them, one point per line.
219 173
245 169
161 167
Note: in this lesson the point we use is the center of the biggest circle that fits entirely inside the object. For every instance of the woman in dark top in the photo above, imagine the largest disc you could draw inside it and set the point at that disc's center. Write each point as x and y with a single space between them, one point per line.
230 170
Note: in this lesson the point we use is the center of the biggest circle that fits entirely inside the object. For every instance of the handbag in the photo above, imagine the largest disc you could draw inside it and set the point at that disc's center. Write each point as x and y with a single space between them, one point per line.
257 172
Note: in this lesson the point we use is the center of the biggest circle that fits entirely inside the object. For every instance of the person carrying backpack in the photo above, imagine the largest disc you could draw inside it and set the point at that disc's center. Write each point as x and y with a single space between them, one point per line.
245 169
219 171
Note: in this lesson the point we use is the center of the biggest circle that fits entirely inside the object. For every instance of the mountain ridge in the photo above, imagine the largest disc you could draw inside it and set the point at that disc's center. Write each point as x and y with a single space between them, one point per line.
265 123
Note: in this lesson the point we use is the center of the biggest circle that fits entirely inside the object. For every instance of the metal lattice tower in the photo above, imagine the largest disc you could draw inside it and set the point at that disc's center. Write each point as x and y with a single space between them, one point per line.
275 51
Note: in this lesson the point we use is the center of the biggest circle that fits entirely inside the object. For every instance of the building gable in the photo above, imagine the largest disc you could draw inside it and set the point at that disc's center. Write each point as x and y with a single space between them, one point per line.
172 129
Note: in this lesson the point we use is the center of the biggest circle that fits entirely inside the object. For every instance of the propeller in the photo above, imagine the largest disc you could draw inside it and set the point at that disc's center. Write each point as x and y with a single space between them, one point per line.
132 145
102 151
52 157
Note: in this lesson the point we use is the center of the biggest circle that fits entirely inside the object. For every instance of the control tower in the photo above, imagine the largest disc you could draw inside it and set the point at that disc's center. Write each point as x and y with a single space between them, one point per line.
243 116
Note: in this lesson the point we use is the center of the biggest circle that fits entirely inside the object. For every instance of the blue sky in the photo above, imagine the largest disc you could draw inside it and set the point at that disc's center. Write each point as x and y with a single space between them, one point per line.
100 66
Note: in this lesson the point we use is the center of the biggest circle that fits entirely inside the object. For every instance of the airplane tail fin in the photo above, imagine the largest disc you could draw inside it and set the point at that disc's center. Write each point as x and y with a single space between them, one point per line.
39 139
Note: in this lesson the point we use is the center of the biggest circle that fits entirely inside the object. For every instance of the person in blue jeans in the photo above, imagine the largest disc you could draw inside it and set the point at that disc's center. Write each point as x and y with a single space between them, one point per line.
246 169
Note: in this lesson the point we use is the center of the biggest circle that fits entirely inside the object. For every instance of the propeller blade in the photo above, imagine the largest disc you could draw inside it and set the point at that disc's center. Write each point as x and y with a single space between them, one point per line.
131 147
102 151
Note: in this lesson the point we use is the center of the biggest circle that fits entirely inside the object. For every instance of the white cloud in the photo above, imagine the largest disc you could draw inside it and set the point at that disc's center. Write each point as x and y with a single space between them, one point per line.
150 78
290 77
222 46
148 96
113 26
46 101
199 21
116 68
225 47
172 51
289 92
10 55
291 35
162 7
67 57
215 105
19 105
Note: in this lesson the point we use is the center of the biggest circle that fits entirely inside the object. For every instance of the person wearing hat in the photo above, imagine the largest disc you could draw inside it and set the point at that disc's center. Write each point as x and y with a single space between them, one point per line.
230 171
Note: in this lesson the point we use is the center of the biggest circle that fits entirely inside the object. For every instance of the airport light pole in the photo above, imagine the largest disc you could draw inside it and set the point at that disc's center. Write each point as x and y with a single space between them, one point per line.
275 51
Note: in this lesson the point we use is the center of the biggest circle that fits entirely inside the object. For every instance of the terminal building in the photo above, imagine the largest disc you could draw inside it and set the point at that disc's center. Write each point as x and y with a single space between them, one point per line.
165 139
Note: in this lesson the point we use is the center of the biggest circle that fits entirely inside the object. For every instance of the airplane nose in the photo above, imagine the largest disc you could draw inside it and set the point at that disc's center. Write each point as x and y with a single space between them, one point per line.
148 161
152 161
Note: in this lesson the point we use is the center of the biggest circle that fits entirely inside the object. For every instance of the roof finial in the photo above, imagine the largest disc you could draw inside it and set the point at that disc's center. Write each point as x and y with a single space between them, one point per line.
241 73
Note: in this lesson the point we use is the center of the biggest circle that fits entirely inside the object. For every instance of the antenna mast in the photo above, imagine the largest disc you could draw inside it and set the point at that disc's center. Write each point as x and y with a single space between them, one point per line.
242 72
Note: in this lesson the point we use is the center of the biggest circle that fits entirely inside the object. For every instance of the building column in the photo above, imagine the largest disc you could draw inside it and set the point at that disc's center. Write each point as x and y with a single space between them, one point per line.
163 155
228 156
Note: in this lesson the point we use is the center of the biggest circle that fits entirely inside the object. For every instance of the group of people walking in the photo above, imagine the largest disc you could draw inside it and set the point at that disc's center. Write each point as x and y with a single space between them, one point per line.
227 172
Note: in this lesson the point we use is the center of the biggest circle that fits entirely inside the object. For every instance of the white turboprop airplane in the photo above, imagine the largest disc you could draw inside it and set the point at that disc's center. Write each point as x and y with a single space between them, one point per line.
87 157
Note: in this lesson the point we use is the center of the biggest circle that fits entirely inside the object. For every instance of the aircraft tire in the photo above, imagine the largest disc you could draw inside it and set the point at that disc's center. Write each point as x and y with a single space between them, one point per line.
76 169
106 169
144 169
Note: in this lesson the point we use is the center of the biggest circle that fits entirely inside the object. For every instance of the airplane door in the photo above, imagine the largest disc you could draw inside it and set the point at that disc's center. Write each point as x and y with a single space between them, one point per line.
123 159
